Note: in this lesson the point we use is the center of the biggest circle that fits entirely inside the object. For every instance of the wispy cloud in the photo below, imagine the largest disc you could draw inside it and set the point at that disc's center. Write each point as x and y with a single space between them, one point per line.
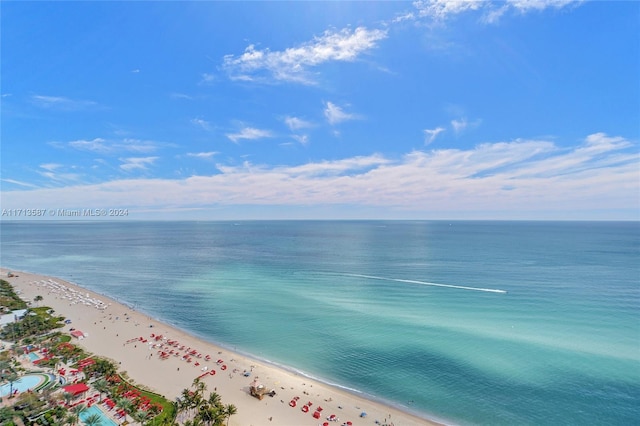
432 134
302 139
61 103
50 166
442 9
110 147
201 123
20 183
296 123
58 173
512 179
207 78
176 95
249 133
492 11
334 114
137 163
459 125
203 155
293 64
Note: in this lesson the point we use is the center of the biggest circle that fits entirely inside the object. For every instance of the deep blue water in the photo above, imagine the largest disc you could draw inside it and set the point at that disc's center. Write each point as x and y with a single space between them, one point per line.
353 303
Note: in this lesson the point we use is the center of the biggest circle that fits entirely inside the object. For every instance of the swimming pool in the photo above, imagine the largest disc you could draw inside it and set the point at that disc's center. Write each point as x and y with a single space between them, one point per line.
25 383
104 420
33 356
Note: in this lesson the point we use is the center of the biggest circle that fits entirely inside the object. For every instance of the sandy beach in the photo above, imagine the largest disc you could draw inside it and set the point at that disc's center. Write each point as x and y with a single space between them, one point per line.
167 360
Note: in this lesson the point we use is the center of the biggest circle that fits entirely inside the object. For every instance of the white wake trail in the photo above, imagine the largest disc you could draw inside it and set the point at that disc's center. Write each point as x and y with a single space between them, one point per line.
462 287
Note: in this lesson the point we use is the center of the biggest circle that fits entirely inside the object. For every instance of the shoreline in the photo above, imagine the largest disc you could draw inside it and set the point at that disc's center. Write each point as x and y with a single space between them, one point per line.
117 325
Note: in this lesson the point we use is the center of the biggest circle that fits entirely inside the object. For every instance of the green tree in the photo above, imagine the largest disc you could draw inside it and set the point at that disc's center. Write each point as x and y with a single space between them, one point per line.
75 413
102 368
11 378
6 414
93 420
37 299
101 386
230 410
140 416
67 397
125 404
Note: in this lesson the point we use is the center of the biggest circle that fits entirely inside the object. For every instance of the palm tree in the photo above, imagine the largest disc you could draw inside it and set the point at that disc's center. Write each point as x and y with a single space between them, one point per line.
199 385
230 410
103 367
214 399
125 404
5 370
37 299
93 420
12 377
140 416
67 397
75 413
101 386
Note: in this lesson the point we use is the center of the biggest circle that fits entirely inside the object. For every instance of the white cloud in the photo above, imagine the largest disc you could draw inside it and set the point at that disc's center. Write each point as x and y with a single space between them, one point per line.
249 133
50 166
207 78
204 155
109 147
461 124
56 173
441 10
295 123
538 5
431 134
334 114
98 145
201 123
303 139
61 103
136 163
17 182
293 64
177 95
511 179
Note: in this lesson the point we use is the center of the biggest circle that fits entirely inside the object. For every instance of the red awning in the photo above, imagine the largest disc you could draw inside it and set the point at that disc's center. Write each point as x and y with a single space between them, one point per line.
76 389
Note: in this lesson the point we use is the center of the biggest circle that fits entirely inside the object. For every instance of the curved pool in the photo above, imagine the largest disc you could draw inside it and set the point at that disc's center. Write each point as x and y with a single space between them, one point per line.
25 383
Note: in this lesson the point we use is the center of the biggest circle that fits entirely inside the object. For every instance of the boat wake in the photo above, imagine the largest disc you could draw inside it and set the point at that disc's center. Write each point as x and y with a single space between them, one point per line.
461 287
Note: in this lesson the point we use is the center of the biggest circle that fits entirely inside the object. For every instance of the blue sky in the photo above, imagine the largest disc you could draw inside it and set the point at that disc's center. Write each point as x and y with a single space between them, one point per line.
521 109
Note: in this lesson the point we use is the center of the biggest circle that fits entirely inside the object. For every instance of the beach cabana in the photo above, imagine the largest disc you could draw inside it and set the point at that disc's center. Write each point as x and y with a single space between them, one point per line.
76 389
78 334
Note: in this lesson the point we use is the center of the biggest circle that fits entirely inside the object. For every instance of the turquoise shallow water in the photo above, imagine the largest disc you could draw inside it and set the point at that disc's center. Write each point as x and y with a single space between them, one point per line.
104 419
402 311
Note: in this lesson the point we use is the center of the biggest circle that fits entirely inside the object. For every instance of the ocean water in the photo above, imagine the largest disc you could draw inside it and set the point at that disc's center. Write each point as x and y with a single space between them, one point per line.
488 323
